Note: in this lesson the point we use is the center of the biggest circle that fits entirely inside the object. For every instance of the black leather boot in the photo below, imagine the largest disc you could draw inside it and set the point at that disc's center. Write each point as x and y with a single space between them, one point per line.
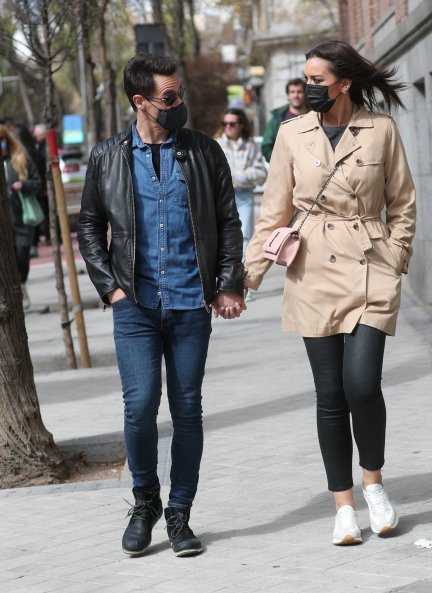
181 536
144 516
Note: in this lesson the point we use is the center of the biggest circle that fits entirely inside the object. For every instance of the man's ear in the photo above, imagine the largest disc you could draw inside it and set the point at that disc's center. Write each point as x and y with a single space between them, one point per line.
139 101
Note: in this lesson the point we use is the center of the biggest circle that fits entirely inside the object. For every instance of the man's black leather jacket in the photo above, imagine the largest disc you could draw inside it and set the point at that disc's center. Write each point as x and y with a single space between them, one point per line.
108 198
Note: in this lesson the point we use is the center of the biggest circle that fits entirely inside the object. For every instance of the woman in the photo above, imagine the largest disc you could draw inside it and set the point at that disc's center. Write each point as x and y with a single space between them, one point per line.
27 140
21 176
342 292
247 165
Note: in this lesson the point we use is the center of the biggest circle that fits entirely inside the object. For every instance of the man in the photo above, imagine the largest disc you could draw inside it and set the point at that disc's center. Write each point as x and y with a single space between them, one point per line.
175 253
295 90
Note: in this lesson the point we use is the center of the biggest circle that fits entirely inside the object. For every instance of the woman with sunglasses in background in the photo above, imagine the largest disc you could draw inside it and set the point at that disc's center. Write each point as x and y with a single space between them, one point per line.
247 165
21 176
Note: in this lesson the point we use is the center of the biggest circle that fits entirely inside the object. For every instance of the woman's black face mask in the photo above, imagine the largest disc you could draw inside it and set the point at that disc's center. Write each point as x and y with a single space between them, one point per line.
317 97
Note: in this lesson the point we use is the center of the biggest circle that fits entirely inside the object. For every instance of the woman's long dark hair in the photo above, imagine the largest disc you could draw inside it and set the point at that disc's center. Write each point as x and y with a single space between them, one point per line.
367 79
243 119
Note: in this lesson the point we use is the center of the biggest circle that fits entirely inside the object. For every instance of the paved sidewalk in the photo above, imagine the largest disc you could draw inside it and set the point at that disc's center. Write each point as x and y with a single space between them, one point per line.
262 509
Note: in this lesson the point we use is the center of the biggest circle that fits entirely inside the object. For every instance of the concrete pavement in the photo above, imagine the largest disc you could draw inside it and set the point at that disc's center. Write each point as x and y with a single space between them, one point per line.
262 508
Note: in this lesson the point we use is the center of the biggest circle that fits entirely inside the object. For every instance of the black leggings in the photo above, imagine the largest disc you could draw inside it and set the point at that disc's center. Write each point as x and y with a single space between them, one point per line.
347 373
22 256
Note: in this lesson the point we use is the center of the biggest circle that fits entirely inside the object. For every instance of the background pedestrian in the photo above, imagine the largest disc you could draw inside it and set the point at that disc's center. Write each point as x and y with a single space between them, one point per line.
21 176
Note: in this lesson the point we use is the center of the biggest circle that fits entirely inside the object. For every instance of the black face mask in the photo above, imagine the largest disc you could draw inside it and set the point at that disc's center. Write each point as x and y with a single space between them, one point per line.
317 97
171 119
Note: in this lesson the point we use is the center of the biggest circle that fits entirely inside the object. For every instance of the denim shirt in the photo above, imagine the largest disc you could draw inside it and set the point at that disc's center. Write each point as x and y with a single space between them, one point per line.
166 269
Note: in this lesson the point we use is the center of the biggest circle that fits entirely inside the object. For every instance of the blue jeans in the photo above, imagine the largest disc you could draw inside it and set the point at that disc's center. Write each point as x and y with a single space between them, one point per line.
142 336
245 203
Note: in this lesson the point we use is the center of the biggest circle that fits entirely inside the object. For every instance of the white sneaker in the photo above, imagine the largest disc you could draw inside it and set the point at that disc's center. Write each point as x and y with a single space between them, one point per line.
26 298
383 516
346 531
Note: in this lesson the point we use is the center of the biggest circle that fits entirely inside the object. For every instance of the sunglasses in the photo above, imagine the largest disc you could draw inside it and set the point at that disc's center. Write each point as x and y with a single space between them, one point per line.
170 98
230 124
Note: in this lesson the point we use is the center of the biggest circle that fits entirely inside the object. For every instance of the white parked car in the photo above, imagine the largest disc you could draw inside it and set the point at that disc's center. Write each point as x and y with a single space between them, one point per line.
72 166
73 171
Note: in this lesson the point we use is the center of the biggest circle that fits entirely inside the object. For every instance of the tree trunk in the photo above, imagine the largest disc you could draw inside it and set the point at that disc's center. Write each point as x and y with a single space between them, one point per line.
92 127
51 122
28 454
110 94
195 35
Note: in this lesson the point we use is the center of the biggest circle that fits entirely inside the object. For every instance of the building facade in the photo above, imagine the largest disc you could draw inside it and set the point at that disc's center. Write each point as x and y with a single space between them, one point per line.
281 32
399 33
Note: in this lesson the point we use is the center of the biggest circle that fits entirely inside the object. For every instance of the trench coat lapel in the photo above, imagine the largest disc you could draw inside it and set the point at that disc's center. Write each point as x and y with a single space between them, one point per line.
316 142
352 138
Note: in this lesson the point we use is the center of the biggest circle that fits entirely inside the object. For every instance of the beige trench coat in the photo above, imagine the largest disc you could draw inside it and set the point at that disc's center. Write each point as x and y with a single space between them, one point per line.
350 261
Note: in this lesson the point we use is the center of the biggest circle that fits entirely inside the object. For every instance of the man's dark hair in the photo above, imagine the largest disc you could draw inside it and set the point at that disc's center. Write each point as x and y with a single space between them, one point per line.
138 74
295 82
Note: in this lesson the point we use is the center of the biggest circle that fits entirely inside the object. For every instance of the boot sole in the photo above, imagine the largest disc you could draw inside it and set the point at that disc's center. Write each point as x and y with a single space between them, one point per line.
188 552
140 552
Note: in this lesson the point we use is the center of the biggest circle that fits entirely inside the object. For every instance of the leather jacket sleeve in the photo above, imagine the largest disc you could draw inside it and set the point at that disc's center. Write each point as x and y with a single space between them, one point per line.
229 270
92 235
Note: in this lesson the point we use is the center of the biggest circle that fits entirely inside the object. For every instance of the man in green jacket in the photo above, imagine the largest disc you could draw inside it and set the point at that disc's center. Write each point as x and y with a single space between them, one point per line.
295 89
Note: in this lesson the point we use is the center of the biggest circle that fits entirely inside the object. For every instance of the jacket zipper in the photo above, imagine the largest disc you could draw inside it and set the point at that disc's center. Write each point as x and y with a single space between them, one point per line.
132 223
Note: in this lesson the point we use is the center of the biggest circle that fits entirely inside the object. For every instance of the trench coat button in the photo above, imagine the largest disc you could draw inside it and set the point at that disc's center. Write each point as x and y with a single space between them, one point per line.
332 259
317 163
322 198
359 162
363 261
330 226
356 227
353 196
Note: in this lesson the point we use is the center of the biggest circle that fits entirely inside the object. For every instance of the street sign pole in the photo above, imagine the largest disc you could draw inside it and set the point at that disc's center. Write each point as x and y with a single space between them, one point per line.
67 243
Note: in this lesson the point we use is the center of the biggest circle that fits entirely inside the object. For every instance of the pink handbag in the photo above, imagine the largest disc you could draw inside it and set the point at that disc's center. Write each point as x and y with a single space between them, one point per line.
282 246
284 242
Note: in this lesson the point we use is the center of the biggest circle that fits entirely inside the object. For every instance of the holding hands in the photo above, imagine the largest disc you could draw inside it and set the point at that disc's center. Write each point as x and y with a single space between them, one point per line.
228 305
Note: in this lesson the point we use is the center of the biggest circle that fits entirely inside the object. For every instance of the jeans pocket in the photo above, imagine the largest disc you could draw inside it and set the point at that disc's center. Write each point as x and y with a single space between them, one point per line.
120 302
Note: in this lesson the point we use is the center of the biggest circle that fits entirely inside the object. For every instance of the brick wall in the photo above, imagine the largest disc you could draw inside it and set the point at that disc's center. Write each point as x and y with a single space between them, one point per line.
358 17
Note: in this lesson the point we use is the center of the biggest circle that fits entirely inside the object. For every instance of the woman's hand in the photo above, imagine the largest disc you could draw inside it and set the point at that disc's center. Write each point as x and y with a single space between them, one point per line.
228 305
17 185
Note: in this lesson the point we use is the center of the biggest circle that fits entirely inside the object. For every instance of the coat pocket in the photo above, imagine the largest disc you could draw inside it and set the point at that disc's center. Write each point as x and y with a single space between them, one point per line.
384 251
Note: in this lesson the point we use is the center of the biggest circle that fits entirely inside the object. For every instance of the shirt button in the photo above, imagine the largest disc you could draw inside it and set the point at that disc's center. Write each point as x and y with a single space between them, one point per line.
153 178
322 198
162 248
332 259
356 227
162 272
161 226
362 261
161 201
359 162
330 226
353 196
159 293
317 163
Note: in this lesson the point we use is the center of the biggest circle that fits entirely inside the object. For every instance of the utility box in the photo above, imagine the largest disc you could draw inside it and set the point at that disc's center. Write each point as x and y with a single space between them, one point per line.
150 39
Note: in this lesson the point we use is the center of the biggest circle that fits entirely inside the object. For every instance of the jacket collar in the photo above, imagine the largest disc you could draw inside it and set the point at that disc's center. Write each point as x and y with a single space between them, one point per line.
319 145
360 118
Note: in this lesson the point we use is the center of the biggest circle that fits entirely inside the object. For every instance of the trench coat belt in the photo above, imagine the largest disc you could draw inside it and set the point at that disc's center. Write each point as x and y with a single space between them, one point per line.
363 236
